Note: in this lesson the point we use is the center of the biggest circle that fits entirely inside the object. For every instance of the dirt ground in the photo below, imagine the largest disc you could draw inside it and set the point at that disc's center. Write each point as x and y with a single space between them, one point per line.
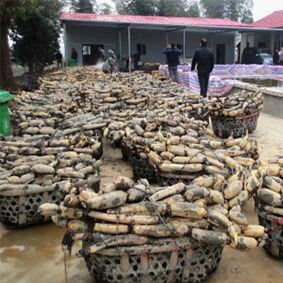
34 254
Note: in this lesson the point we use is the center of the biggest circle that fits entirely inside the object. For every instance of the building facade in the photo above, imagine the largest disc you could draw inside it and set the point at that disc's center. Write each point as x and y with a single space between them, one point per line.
149 35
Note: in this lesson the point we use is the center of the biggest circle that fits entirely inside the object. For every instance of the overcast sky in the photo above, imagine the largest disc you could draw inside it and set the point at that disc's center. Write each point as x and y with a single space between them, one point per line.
262 8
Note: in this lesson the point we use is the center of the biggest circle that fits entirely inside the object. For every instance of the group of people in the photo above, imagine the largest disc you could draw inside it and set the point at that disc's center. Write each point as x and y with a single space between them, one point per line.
278 57
203 59
59 57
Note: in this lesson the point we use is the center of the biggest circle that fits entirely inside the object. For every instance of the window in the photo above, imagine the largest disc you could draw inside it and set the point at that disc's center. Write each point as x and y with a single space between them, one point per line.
141 48
86 50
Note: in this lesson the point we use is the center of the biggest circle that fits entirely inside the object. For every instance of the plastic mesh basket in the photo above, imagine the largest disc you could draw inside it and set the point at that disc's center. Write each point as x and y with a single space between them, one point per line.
142 169
237 126
169 179
22 210
274 225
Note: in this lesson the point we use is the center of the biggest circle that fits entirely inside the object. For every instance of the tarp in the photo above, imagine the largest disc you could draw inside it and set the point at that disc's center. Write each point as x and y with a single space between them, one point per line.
5 96
237 71
223 76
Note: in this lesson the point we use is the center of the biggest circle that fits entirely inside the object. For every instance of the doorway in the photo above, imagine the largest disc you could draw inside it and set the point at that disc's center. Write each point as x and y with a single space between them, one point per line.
91 53
220 54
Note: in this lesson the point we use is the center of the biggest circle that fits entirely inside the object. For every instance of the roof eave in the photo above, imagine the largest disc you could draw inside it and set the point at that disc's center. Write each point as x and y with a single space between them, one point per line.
156 24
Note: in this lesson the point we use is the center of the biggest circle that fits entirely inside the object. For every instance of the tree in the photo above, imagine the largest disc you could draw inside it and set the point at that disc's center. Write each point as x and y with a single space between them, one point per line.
122 6
236 10
194 10
36 35
185 8
83 6
135 7
178 8
9 9
105 8
213 8
247 14
143 7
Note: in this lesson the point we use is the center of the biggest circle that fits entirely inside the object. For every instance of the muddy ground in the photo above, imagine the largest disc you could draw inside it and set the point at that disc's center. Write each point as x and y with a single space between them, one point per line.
34 254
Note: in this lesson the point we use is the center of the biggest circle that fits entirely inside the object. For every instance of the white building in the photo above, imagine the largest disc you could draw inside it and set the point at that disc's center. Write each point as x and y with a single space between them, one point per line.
149 35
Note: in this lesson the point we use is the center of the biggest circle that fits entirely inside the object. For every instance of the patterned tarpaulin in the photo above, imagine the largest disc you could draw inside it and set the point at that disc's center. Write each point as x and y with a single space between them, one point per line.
223 76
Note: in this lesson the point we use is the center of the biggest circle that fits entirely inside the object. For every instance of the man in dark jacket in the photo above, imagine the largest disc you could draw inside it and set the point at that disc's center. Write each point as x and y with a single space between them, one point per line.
59 59
74 54
172 53
276 57
204 59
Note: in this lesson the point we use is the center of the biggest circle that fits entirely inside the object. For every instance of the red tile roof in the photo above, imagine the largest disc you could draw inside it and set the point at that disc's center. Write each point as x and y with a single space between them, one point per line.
152 20
274 20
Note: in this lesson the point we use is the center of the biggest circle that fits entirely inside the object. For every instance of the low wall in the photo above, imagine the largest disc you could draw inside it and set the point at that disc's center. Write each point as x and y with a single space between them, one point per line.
273 102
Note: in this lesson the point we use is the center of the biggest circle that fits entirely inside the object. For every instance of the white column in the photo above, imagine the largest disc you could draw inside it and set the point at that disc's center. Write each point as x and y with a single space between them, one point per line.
129 49
235 44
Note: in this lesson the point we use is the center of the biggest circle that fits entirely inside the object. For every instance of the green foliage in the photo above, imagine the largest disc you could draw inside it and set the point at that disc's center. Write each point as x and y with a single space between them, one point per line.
36 34
105 8
194 10
135 7
236 10
178 8
83 6
213 8
123 6
9 10
181 8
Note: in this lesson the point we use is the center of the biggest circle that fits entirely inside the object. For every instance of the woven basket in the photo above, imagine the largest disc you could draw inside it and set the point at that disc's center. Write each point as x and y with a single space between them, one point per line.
223 127
127 151
176 263
274 225
19 209
168 179
142 169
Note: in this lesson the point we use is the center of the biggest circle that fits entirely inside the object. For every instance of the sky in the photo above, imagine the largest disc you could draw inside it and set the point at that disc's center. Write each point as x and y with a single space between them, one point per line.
262 8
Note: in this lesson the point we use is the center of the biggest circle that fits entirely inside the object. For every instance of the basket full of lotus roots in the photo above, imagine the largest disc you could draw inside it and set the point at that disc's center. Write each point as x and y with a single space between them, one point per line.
236 113
269 205
179 149
33 172
133 232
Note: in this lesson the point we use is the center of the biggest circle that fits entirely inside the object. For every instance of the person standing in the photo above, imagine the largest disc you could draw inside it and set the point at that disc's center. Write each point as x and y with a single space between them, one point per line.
276 57
59 59
172 54
74 54
109 66
204 59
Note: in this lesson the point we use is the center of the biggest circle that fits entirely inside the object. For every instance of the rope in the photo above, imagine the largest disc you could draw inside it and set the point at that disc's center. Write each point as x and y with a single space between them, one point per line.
65 267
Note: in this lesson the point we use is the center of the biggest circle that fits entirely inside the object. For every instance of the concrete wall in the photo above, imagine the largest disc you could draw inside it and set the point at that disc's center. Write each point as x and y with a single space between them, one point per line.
155 41
271 39
273 102
77 35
